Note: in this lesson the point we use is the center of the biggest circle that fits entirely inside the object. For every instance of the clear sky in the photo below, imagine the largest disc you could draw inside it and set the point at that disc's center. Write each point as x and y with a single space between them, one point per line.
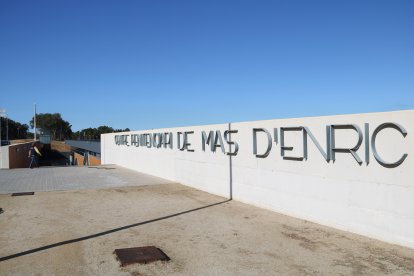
151 64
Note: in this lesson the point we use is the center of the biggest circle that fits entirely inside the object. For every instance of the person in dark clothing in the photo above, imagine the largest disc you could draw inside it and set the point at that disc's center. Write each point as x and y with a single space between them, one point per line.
33 155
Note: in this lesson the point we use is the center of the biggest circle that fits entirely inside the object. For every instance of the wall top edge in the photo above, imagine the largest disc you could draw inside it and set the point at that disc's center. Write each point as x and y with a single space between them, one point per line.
19 144
285 118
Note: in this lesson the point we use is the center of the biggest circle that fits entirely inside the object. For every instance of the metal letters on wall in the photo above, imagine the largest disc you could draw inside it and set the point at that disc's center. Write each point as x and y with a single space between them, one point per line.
215 141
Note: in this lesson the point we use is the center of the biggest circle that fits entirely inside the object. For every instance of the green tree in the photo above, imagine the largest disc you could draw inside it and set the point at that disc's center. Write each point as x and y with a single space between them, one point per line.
59 128
121 130
95 133
15 130
104 129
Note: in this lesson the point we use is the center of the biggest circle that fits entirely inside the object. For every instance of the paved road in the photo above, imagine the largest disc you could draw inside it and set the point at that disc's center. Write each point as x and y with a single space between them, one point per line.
70 178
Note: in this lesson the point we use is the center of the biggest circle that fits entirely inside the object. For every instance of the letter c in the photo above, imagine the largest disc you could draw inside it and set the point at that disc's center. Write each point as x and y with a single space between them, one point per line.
374 149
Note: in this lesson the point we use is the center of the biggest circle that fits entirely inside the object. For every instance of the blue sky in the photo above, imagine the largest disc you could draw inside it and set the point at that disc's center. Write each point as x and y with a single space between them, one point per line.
151 64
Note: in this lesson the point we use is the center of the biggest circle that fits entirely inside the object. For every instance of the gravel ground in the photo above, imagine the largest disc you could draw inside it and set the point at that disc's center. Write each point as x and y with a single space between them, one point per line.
75 233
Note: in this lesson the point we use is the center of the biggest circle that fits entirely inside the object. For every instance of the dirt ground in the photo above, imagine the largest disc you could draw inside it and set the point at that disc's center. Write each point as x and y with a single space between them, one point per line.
76 232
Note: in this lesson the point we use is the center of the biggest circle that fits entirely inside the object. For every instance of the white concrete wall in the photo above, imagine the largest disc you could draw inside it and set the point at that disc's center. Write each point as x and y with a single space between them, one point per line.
4 157
371 200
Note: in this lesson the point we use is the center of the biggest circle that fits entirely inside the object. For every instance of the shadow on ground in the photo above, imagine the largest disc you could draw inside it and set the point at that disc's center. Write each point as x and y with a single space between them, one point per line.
51 157
27 252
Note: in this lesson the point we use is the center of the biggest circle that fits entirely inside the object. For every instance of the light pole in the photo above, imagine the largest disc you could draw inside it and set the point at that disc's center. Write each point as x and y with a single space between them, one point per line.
7 129
2 113
34 122
1 144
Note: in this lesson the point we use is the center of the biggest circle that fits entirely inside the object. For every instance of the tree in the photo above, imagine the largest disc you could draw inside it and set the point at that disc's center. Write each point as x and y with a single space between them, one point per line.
104 129
95 133
121 130
16 130
59 128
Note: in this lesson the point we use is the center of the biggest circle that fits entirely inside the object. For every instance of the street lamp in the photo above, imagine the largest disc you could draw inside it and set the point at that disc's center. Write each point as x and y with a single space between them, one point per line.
34 122
2 114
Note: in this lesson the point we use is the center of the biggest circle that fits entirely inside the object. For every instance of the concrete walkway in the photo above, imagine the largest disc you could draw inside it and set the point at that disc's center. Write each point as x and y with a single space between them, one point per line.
75 232
72 178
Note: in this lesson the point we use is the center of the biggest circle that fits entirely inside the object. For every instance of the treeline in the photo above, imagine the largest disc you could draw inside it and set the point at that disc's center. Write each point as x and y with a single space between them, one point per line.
95 133
59 128
13 130
54 124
